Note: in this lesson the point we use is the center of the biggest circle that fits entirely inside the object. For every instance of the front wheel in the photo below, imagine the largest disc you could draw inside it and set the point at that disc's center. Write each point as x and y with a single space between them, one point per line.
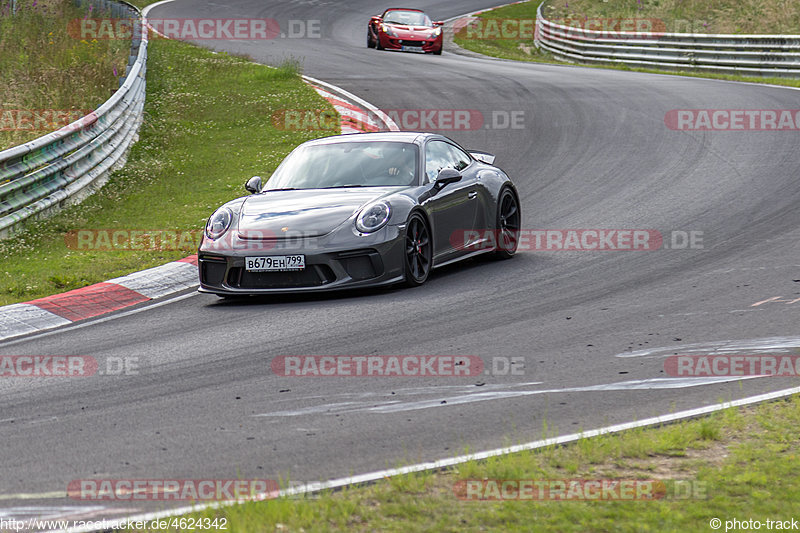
508 225
370 42
439 51
418 251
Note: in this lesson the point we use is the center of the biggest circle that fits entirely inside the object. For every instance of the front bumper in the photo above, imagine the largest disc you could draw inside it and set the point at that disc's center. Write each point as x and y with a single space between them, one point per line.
398 43
376 260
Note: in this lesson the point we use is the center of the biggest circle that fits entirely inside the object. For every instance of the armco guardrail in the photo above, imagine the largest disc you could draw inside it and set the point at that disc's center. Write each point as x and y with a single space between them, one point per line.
66 165
758 55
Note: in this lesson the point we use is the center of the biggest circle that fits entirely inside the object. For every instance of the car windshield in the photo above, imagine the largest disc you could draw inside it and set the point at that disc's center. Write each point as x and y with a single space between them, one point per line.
347 164
407 18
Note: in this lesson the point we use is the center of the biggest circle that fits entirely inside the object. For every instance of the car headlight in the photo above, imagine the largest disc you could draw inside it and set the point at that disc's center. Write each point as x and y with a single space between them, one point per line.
387 30
373 217
219 223
435 33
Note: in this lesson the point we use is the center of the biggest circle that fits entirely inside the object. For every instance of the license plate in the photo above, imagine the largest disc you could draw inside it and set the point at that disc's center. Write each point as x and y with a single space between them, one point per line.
412 49
275 263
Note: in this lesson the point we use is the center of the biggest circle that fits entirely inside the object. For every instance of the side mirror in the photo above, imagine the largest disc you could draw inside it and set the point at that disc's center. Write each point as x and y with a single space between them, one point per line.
253 185
438 23
376 19
447 175
484 157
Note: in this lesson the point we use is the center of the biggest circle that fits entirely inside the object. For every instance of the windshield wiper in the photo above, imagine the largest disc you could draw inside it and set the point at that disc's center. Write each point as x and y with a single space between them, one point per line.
283 189
342 186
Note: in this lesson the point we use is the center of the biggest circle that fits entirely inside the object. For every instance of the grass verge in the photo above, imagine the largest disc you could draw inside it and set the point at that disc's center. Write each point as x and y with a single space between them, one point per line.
737 463
700 16
672 12
46 71
208 127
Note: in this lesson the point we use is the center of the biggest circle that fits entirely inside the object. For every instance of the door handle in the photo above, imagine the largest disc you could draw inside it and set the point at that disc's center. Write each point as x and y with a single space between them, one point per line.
472 195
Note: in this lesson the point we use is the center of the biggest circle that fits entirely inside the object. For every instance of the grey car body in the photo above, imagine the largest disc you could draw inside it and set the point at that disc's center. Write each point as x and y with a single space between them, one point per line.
462 196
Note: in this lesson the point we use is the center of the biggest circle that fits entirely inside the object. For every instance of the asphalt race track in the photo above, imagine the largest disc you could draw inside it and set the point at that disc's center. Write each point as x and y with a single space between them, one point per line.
592 327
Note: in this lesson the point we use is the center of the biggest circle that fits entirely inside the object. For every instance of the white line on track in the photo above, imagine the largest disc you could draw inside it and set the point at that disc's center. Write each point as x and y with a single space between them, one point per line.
445 463
34 495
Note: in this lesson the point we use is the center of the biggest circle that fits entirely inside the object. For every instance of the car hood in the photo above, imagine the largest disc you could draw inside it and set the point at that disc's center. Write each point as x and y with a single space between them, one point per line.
312 212
408 32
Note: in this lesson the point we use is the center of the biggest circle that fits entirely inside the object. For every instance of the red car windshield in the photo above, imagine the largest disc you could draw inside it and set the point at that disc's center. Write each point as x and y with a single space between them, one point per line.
407 18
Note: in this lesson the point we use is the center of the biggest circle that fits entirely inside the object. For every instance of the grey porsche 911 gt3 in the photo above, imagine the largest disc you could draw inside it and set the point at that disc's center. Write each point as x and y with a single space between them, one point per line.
360 210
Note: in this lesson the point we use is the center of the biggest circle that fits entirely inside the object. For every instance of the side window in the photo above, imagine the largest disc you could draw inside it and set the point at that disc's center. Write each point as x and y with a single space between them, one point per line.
460 158
437 157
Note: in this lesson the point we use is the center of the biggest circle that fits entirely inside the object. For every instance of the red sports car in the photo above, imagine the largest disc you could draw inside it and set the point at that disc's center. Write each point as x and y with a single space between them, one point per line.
409 30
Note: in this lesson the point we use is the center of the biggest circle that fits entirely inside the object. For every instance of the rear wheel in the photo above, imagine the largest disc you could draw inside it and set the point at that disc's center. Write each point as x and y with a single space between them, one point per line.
418 251
508 224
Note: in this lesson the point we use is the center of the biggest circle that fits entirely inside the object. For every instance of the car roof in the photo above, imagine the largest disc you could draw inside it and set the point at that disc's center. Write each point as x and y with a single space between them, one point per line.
381 136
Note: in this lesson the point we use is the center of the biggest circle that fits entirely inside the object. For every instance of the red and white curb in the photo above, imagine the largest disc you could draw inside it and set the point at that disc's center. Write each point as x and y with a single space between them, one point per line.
98 299
353 119
358 115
